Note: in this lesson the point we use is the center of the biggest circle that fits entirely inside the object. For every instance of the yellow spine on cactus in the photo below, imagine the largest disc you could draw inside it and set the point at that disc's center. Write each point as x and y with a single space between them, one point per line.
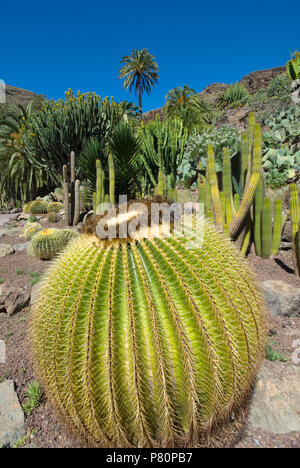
214 189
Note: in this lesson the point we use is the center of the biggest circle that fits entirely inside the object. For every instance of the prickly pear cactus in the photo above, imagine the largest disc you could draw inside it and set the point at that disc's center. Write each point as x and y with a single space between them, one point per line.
146 343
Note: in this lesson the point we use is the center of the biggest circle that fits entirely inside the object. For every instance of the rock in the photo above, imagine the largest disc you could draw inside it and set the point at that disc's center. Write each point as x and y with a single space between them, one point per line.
11 415
5 250
13 300
260 79
20 247
16 300
236 117
286 245
211 93
282 298
287 232
3 232
276 399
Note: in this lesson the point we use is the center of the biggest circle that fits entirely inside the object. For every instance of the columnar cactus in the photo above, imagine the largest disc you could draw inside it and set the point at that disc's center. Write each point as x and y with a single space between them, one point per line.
111 167
66 196
227 185
77 203
145 343
277 226
266 228
214 189
252 181
295 220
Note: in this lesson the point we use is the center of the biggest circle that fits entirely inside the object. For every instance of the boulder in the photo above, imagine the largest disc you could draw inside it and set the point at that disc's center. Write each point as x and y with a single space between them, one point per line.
34 293
11 415
276 399
6 249
282 298
13 300
21 246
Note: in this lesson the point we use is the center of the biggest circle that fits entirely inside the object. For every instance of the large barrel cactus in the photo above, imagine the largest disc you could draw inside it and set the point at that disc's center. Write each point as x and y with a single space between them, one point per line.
146 343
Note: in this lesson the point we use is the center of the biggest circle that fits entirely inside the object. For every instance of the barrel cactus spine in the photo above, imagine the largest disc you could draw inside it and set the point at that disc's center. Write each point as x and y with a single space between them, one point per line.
145 343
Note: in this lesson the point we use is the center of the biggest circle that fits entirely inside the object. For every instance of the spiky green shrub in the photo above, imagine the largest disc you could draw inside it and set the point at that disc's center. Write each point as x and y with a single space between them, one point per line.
147 343
235 95
48 243
38 207
55 207
69 235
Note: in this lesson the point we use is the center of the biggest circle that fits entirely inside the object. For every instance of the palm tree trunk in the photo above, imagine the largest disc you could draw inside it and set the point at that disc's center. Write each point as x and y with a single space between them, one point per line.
140 99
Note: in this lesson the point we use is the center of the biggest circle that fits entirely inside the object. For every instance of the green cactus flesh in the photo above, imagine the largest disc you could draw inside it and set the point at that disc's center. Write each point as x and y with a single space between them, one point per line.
55 207
277 226
266 228
146 343
38 207
49 243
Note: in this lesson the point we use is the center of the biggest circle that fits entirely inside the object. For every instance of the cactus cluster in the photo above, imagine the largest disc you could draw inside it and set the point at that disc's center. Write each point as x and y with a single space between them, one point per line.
145 343
52 217
251 215
48 243
295 220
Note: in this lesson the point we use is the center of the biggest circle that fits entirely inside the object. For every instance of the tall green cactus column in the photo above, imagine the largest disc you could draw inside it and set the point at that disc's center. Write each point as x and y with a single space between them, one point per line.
277 226
251 186
111 167
66 196
214 189
227 185
295 220
266 228
258 204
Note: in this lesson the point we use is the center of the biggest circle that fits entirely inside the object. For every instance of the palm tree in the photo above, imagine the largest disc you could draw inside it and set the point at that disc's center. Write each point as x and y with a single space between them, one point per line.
140 72
186 104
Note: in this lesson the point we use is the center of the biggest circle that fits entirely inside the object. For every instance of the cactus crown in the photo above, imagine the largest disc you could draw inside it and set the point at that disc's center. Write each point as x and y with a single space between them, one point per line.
50 242
147 343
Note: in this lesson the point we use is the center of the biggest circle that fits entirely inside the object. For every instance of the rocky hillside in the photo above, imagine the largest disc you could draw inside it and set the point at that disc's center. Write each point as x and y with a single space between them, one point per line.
18 96
253 82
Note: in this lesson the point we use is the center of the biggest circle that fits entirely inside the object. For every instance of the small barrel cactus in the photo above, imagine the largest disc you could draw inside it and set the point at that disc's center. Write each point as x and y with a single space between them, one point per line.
145 343
52 217
38 207
30 230
48 243
54 207
26 209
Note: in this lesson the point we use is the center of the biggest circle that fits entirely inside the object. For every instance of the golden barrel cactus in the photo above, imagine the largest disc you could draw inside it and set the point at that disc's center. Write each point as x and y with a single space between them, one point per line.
145 343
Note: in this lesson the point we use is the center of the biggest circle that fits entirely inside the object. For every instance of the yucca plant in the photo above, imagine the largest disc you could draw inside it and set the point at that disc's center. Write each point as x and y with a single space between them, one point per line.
145 343
235 95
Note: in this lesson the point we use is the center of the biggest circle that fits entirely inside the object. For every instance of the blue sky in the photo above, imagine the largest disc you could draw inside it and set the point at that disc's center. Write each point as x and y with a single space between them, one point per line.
48 47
